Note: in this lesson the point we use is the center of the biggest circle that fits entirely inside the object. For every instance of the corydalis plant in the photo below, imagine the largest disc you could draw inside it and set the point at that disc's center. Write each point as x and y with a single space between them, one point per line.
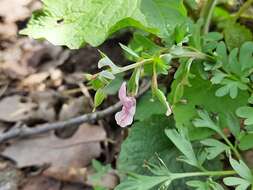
204 77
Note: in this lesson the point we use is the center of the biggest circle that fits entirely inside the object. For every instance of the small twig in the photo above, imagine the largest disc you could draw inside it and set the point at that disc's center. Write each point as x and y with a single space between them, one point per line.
86 93
25 131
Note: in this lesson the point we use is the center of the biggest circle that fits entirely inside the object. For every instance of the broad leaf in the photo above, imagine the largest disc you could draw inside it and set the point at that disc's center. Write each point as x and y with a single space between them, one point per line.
148 106
145 143
74 23
146 139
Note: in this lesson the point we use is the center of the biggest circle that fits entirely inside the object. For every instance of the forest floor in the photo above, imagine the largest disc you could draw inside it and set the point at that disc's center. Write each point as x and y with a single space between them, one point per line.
41 83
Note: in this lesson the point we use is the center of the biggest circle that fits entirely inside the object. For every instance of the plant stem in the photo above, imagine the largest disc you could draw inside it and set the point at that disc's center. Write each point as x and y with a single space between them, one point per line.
154 78
190 54
207 14
243 8
208 173
133 66
237 154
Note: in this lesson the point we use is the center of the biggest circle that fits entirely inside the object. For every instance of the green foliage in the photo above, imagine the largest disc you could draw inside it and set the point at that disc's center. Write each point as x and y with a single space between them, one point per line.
99 98
145 140
148 106
214 148
243 171
141 182
207 185
246 112
246 142
185 111
184 146
208 75
237 66
74 23
236 35
100 172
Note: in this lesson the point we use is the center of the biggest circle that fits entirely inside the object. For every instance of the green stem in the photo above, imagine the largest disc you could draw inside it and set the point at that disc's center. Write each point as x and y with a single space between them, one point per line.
237 154
208 173
154 78
133 66
244 8
208 13
190 54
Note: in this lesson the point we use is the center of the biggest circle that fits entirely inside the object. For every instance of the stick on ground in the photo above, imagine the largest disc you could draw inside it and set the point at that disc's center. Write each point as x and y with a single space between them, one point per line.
24 131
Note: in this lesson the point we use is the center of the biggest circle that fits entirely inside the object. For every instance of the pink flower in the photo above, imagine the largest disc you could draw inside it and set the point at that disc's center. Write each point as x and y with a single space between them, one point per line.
126 115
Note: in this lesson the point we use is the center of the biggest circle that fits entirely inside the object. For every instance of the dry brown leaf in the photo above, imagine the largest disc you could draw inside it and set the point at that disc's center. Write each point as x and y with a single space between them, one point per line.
72 186
37 106
56 77
8 30
74 108
15 108
64 155
46 102
25 57
41 183
35 79
16 61
13 10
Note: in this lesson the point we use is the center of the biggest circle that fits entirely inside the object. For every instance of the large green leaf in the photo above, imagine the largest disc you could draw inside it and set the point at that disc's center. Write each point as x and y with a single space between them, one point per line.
74 23
202 94
146 139
148 106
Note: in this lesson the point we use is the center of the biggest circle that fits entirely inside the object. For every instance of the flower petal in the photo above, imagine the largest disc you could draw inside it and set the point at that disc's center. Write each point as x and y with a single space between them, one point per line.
122 92
126 115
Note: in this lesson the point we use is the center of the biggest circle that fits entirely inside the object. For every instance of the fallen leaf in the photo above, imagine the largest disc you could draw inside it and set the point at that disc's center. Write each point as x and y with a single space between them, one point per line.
7 30
74 107
26 57
15 108
68 158
73 186
13 10
34 79
46 101
56 77
41 183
